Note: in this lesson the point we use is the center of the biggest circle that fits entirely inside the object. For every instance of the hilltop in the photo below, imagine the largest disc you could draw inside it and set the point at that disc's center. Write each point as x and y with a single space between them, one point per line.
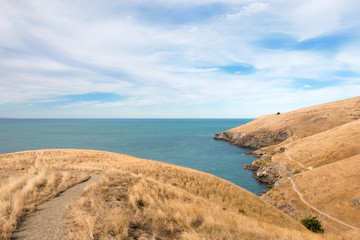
283 128
311 157
137 199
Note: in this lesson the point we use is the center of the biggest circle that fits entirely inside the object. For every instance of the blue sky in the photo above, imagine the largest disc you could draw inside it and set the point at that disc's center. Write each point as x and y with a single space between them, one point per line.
154 59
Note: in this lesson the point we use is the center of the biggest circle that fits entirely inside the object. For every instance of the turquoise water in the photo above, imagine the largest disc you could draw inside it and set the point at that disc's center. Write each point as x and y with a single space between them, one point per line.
184 142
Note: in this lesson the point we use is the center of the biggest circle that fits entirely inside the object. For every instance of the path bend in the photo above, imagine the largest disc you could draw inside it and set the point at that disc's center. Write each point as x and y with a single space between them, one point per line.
48 221
297 162
317 210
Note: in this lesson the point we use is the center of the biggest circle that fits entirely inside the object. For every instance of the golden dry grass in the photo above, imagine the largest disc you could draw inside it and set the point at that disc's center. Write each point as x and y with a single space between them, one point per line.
21 190
330 192
341 198
324 146
125 206
304 122
144 199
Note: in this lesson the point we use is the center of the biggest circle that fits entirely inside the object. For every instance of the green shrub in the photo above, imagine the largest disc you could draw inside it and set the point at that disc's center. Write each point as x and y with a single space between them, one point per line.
313 224
296 172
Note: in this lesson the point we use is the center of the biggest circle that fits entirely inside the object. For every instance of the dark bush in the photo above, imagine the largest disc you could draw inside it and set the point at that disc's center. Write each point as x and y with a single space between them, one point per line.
313 224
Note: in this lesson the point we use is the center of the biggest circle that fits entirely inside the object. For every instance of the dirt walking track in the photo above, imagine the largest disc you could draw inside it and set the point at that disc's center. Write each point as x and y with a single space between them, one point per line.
317 210
48 221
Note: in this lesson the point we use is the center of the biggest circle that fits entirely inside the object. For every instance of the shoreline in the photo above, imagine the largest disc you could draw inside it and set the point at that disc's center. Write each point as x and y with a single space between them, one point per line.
260 172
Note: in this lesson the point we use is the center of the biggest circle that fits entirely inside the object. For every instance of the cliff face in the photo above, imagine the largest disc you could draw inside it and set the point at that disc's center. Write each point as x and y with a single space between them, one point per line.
254 140
303 145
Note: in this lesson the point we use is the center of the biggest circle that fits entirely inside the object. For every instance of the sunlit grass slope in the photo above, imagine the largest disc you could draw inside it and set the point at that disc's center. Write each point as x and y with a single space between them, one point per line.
303 122
140 199
333 189
24 185
323 148
323 145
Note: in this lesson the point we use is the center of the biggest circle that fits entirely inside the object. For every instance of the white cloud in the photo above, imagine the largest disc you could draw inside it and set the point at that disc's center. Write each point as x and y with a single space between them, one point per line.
52 49
309 19
78 104
34 64
349 57
248 10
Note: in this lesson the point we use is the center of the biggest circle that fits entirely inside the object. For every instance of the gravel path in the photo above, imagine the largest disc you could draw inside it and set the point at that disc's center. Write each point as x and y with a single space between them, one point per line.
48 221
317 210
309 205
298 163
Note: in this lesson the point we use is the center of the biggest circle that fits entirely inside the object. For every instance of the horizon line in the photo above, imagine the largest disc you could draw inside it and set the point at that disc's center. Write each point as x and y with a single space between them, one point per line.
75 118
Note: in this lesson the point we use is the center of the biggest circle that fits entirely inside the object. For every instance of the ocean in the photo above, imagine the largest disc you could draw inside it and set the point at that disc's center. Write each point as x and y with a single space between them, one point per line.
184 142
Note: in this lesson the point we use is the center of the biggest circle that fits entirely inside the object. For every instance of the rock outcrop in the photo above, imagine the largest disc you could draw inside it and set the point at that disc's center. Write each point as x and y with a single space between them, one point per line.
254 140
270 173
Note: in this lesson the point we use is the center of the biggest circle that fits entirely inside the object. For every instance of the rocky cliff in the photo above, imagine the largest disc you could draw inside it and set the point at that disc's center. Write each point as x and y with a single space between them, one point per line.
271 135
255 140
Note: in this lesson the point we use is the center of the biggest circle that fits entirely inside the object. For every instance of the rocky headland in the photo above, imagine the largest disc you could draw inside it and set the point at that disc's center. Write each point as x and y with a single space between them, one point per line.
272 135
293 149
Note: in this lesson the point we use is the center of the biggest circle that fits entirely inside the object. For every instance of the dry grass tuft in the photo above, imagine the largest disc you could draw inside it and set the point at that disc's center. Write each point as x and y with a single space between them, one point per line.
20 193
131 206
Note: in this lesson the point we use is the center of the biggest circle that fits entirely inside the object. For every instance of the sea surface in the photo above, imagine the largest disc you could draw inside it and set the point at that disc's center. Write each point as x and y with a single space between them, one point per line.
184 142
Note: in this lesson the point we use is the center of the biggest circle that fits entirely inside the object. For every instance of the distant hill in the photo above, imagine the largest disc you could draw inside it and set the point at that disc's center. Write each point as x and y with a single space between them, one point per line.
318 149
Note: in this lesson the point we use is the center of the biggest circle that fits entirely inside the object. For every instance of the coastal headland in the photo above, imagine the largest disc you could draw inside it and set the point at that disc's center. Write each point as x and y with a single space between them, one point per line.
311 158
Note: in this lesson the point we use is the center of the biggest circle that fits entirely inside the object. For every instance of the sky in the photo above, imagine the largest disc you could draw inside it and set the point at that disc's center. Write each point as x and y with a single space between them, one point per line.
175 59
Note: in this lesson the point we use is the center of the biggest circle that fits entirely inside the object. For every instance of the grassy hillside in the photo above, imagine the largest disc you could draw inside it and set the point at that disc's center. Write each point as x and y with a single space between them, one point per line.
273 129
138 199
320 155
323 148
333 189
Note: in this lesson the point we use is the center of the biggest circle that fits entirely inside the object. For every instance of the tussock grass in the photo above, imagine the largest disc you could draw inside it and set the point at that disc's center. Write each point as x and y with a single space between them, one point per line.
130 206
21 192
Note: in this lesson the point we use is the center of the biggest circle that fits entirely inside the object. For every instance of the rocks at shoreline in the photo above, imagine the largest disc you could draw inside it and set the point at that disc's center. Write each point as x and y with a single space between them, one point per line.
264 172
255 140
261 174
252 167
270 173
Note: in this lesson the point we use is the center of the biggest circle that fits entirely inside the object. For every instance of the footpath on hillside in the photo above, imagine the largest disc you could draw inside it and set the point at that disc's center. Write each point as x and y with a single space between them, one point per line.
48 221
